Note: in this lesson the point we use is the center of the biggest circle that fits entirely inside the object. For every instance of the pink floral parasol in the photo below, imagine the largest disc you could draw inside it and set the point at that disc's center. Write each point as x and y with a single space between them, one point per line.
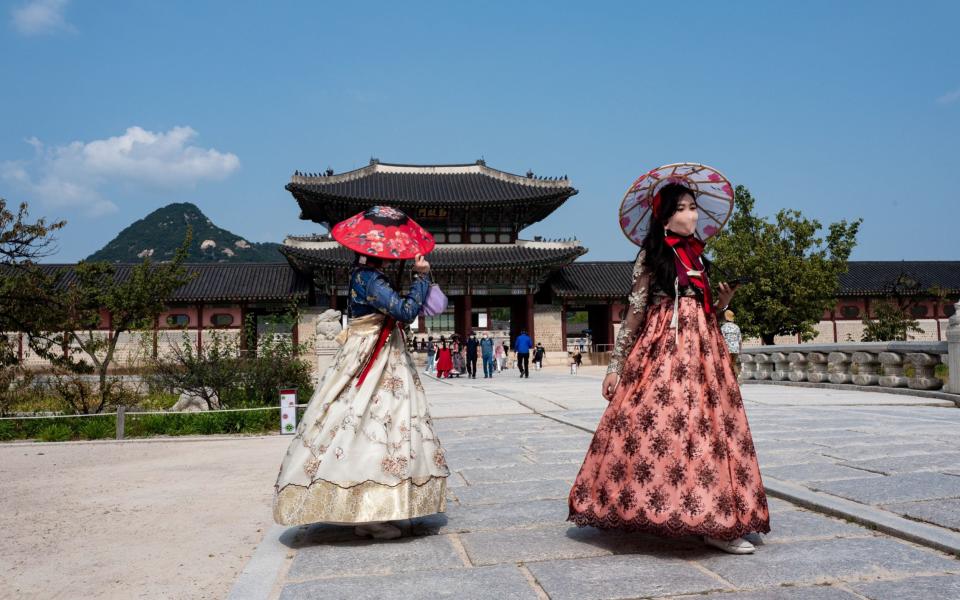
714 199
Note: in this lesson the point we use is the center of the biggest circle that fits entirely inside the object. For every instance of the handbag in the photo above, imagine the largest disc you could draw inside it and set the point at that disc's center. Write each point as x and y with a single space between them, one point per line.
435 302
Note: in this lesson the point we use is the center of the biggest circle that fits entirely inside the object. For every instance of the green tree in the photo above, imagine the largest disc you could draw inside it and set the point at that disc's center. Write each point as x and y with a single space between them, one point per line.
890 323
795 272
892 320
73 319
25 290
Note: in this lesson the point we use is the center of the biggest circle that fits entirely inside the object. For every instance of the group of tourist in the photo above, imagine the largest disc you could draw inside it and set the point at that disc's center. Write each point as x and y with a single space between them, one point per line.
672 454
453 357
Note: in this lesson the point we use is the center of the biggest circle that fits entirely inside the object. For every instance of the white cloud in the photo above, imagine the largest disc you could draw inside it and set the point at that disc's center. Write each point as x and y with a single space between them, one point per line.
41 16
949 97
75 175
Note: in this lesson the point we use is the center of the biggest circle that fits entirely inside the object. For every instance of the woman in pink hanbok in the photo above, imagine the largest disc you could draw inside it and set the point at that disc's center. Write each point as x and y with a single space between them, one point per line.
673 454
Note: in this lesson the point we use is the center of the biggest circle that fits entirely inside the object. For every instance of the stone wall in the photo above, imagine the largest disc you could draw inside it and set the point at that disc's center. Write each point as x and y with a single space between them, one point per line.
548 326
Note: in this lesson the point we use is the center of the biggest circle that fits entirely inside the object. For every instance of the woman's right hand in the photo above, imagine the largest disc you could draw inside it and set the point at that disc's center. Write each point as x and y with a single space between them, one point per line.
420 264
609 385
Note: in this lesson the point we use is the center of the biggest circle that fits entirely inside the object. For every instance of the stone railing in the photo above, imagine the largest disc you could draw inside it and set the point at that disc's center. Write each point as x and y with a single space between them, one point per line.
886 364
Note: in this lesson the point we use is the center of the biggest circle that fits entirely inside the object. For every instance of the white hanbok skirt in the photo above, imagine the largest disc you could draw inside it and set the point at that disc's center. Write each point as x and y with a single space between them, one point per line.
367 453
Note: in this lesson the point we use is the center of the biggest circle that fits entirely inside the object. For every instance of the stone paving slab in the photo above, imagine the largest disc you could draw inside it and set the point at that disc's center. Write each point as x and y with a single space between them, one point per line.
931 461
894 488
622 577
496 493
813 561
817 592
500 516
817 471
946 587
374 557
529 472
491 583
945 513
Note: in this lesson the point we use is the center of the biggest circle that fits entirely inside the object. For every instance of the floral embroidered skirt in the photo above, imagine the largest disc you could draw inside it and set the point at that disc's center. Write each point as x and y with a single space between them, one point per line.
673 454
367 453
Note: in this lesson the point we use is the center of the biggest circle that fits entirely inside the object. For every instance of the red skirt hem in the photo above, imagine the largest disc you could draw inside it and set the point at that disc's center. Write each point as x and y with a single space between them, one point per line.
642 524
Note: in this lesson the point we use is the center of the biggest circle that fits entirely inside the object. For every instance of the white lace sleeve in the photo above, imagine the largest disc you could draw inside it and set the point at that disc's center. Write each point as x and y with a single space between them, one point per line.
630 328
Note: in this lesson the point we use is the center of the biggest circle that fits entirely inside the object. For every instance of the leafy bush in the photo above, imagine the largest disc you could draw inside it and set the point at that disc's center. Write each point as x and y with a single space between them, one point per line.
98 428
57 432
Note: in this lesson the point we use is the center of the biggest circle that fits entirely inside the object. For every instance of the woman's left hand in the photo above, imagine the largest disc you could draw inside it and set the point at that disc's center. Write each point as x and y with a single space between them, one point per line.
726 294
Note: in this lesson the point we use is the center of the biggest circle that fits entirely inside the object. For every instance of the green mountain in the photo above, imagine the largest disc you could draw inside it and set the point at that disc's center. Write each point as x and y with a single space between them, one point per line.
160 233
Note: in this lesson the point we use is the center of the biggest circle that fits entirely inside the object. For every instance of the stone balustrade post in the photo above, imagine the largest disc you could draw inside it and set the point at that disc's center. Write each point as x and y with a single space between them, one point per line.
762 366
817 369
747 366
923 366
781 367
838 367
892 363
866 369
798 366
953 350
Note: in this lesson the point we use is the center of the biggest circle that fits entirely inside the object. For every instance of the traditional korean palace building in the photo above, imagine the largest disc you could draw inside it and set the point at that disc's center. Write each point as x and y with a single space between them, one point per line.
496 280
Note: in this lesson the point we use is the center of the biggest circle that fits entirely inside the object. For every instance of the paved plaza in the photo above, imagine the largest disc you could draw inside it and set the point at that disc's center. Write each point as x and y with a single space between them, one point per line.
516 445
864 493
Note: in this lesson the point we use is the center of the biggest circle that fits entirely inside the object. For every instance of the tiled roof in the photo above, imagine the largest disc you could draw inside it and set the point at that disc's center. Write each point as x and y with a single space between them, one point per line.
867 277
431 185
449 257
590 278
611 279
222 282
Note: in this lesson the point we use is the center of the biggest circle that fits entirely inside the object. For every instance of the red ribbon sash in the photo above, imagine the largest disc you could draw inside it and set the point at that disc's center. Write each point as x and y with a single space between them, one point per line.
381 342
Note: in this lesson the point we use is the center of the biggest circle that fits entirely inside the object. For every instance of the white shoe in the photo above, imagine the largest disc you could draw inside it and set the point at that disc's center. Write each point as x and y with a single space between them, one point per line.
737 546
378 531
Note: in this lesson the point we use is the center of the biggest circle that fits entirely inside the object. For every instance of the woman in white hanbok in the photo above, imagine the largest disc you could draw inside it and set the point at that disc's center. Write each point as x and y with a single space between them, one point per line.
365 451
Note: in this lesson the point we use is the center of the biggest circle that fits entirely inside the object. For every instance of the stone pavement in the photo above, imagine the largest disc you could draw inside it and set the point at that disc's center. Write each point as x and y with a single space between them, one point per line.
514 447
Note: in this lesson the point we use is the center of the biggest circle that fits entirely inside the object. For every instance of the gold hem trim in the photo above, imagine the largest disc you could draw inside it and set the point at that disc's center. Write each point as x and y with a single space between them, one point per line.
326 502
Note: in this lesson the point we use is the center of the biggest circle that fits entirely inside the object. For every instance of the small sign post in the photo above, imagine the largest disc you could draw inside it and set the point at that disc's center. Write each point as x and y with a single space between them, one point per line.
288 410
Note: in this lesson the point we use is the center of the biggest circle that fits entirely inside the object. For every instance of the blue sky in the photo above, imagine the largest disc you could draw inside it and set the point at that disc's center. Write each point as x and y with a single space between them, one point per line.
839 109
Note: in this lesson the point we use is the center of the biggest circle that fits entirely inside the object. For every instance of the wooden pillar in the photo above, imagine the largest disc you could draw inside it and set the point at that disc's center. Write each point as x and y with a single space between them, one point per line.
467 311
243 327
563 326
156 333
199 327
295 336
610 340
529 316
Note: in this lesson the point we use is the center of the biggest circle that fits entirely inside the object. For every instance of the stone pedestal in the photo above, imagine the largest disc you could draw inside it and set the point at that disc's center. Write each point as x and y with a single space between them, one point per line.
838 367
781 367
923 365
326 326
762 366
817 367
866 368
747 366
892 367
798 366
953 345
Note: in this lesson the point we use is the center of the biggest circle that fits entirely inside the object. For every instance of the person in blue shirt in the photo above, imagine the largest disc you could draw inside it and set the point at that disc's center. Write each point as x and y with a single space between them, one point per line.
486 350
522 346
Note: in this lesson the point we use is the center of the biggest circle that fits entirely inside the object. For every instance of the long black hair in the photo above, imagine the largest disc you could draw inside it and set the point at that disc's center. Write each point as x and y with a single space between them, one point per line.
660 260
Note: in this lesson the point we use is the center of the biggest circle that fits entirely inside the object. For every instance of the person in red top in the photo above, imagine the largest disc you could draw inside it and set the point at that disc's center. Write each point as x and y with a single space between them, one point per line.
444 362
